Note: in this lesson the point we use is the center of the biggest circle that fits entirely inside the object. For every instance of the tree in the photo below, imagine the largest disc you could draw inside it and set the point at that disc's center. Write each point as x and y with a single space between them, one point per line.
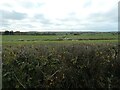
6 33
11 33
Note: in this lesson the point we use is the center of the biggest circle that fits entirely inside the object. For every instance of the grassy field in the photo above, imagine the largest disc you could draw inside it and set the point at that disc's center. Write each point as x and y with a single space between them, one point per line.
84 38
61 61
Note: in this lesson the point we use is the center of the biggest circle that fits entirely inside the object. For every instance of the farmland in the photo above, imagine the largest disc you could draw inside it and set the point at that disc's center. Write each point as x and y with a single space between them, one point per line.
84 38
87 60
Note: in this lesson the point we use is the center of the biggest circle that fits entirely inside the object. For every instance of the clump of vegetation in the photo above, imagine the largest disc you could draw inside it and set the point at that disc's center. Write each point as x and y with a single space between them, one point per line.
61 66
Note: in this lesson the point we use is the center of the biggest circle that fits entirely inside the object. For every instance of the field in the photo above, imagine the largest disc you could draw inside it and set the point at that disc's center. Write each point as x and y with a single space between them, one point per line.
81 37
61 61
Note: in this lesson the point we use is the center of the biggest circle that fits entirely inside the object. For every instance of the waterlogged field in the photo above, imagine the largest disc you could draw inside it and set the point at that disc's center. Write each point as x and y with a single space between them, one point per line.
68 61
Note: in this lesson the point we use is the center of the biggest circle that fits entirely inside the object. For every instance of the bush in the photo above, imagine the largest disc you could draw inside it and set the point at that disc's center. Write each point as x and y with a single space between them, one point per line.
61 66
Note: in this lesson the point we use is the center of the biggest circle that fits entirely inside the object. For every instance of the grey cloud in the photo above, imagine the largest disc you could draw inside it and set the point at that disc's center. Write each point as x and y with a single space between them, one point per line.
7 5
103 21
4 23
100 26
119 15
58 24
96 21
27 25
72 14
119 11
13 15
88 3
70 17
28 4
110 16
41 19
6 16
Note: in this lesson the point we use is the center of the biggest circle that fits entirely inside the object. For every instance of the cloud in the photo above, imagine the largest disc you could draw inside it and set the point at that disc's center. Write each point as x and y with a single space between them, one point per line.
7 5
13 15
40 18
119 16
31 4
110 16
5 23
71 17
88 3
59 15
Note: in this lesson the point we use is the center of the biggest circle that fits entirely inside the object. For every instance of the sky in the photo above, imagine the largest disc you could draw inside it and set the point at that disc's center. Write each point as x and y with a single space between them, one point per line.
59 15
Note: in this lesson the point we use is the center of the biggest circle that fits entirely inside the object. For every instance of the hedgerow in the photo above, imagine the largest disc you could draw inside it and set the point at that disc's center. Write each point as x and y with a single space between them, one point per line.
61 66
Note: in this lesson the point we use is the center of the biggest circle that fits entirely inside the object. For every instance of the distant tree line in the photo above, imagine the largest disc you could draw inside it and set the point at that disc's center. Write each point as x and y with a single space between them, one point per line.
8 33
27 33
51 33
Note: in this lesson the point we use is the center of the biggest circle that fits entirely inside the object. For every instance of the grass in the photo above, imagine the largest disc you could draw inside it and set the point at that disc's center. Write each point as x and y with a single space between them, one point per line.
60 42
82 38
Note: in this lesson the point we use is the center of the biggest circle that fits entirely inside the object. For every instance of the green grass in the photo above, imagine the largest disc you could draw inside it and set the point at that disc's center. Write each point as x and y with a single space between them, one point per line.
25 37
61 42
94 36
44 39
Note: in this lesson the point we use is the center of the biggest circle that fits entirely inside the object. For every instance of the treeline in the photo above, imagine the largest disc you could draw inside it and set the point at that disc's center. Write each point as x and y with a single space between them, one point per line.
51 33
26 33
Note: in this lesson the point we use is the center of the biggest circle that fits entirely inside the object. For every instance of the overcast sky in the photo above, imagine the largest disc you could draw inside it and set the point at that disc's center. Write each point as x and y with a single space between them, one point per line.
59 15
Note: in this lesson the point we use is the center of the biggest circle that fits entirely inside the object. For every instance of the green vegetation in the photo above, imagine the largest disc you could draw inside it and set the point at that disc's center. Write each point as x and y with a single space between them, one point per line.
96 37
61 61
